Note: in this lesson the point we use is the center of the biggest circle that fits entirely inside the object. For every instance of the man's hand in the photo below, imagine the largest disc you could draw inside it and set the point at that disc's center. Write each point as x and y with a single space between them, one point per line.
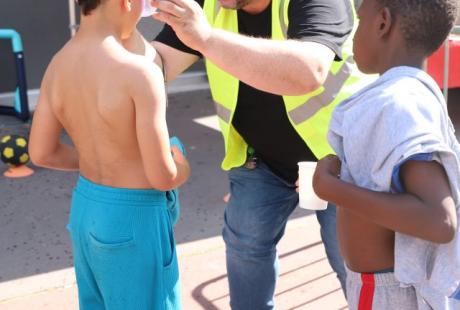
187 19
326 169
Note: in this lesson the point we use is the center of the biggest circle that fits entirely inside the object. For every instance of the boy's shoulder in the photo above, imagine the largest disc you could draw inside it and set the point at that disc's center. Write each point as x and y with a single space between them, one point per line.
59 57
392 104
141 74
399 89
136 66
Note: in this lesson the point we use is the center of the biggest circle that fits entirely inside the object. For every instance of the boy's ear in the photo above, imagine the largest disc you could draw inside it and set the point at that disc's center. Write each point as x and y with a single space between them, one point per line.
126 5
385 22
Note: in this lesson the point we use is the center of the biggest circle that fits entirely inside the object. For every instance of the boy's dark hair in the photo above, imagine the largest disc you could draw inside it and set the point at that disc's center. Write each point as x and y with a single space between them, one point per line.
88 5
425 24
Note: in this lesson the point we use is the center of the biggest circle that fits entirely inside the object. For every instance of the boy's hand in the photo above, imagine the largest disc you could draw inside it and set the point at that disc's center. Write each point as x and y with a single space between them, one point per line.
326 169
182 164
329 165
178 156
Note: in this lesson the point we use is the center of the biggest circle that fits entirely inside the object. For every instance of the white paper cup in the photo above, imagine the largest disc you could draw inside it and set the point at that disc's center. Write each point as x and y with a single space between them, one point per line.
307 197
147 9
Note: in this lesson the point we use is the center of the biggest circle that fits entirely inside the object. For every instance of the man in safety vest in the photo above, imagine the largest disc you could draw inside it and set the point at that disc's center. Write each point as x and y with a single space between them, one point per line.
276 70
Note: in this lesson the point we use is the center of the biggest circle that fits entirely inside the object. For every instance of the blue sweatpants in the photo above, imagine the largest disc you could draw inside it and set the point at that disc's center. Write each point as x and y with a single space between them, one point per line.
124 248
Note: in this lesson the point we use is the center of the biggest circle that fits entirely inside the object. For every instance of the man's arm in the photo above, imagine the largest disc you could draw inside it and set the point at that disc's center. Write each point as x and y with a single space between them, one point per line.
165 171
174 61
426 211
45 147
281 67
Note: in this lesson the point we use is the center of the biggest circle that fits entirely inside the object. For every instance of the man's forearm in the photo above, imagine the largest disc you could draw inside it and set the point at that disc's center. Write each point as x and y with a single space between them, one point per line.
280 67
276 66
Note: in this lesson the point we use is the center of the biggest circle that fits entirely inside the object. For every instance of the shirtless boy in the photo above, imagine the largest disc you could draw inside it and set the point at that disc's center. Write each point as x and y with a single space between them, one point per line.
395 180
112 105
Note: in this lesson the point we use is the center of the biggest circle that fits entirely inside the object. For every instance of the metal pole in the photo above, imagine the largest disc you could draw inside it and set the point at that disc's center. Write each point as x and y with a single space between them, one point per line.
446 70
455 31
23 108
72 19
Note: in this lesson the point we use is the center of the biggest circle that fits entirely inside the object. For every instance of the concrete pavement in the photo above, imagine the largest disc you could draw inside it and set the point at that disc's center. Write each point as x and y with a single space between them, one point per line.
35 253
36 260
306 280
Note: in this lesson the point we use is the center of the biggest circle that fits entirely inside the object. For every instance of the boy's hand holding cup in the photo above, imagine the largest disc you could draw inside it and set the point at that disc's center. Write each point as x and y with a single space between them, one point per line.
307 197
326 175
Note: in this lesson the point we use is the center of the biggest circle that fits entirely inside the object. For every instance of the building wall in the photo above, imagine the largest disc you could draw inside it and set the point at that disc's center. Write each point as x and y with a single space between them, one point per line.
44 28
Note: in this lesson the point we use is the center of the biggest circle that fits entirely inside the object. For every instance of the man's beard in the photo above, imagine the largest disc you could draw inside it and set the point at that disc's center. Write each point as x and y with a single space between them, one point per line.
239 4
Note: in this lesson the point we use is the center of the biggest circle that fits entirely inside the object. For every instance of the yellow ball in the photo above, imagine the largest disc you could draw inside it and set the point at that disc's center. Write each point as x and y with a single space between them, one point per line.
8 152
13 150
21 142
6 139
24 158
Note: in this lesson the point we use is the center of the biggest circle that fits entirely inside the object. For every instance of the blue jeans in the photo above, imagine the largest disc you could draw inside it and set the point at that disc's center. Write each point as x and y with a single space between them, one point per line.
255 220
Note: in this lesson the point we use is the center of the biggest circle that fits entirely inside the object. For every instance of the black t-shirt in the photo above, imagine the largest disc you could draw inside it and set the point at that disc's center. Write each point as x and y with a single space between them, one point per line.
270 133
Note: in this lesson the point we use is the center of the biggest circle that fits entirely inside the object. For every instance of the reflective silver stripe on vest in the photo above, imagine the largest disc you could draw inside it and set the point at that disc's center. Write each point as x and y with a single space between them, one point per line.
283 24
223 112
332 86
216 10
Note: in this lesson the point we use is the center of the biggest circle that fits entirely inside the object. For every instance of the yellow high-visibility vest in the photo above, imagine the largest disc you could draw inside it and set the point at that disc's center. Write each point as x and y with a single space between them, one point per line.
309 114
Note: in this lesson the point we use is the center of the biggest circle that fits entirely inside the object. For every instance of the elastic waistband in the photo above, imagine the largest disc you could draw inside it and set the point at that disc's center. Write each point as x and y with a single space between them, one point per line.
107 193
378 278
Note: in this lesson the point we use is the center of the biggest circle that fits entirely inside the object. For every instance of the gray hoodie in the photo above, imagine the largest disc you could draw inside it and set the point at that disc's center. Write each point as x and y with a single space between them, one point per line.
402 114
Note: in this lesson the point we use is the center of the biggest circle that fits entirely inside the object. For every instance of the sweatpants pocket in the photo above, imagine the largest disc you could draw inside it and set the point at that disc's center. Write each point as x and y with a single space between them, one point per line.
113 245
171 285
171 280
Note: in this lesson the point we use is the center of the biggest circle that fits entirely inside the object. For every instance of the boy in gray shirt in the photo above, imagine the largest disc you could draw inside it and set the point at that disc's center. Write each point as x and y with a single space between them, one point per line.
396 175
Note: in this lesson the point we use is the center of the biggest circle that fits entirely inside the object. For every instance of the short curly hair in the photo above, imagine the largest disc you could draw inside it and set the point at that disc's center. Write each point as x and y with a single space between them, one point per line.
425 24
87 6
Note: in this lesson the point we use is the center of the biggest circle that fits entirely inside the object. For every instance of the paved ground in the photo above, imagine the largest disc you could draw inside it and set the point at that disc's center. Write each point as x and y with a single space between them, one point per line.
35 257
33 211
306 281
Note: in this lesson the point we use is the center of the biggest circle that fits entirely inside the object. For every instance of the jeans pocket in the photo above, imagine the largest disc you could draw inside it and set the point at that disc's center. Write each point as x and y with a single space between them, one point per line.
119 243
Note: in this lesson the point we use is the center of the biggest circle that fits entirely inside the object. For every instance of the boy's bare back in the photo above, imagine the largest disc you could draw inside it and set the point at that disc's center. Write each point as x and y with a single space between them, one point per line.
87 89
112 105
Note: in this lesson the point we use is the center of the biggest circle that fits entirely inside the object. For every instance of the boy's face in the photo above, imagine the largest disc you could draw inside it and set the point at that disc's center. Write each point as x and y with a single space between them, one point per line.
366 43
